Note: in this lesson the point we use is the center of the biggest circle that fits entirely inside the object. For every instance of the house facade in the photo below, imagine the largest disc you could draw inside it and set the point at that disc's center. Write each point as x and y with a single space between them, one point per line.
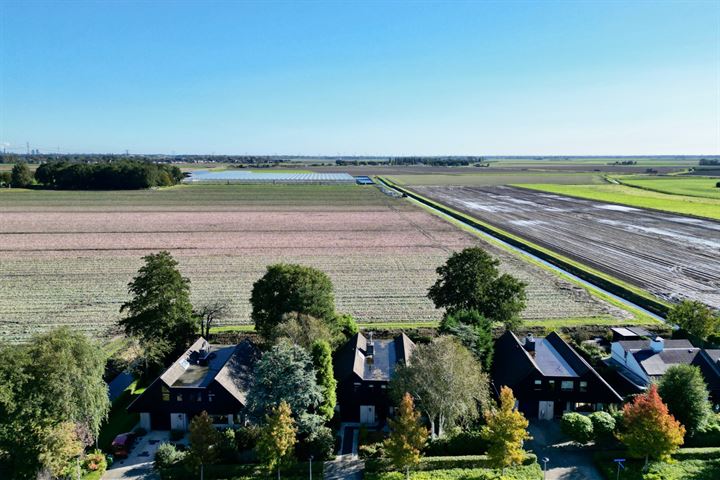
548 377
643 361
363 369
211 378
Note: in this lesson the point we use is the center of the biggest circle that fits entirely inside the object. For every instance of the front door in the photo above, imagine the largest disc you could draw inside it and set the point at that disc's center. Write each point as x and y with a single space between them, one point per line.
546 410
367 414
178 421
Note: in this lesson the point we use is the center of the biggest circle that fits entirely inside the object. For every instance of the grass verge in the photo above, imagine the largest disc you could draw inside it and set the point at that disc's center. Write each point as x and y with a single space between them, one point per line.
688 463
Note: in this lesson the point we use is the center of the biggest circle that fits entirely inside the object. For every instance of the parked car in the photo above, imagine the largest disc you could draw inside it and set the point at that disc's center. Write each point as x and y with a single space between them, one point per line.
122 444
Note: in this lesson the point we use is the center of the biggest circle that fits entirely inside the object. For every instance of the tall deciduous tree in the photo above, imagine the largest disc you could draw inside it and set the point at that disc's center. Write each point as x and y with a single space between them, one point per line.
285 373
695 317
446 380
289 288
20 177
277 438
204 439
685 393
505 430
407 436
648 428
470 280
211 312
160 314
474 331
53 379
322 359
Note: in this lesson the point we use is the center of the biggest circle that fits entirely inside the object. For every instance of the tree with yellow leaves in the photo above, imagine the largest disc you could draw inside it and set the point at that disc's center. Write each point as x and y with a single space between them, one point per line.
277 438
407 436
505 430
649 429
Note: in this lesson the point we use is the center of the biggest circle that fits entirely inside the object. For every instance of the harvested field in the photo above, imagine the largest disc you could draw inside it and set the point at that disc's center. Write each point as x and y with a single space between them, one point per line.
670 256
66 257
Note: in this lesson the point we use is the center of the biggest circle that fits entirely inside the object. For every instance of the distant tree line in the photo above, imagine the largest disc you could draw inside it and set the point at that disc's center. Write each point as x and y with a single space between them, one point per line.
436 161
709 161
121 175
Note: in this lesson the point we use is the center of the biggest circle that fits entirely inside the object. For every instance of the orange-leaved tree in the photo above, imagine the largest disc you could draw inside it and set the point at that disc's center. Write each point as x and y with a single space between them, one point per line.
505 430
407 436
650 431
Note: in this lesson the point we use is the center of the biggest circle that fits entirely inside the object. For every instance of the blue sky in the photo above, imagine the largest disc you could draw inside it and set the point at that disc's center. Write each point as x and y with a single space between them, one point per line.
366 78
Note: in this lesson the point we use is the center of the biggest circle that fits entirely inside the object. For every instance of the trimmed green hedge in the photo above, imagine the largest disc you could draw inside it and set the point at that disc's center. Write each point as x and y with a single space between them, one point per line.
296 471
648 303
526 472
442 463
463 443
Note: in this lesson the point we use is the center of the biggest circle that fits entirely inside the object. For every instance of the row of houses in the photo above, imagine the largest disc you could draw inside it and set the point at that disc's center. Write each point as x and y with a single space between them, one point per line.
547 375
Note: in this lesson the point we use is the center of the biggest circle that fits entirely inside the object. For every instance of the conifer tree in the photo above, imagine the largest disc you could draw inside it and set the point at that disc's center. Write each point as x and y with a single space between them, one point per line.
407 436
649 429
204 439
322 360
277 438
505 430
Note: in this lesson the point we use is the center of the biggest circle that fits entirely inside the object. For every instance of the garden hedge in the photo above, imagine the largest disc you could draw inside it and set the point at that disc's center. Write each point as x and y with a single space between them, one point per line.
442 463
526 472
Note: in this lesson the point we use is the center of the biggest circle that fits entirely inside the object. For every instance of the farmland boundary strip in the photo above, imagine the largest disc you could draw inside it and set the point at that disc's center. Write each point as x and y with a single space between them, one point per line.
603 281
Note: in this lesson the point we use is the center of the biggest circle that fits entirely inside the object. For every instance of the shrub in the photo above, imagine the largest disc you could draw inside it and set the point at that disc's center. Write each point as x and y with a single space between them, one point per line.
167 456
95 462
526 472
246 437
462 443
227 447
578 427
320 444
372 450
603 425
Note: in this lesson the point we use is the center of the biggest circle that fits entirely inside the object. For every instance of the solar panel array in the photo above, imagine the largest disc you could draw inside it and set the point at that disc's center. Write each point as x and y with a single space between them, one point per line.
235 176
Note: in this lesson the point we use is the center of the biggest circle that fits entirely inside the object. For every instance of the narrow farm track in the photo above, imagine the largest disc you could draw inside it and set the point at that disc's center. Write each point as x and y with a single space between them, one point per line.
669 255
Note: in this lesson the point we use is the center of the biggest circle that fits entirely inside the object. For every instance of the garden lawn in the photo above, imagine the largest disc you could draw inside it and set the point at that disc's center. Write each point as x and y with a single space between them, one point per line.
119 419
637 197
688 463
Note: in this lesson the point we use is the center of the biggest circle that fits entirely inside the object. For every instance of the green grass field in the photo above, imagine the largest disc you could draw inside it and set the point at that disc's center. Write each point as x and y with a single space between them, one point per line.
637 197
676 185
199 196
490 179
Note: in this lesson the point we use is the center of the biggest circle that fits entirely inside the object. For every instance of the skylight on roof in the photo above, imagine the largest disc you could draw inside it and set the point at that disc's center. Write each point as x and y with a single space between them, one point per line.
184 363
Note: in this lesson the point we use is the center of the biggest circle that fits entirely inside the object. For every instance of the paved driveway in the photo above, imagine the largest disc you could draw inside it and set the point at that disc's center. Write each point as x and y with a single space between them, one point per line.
139 464
567 461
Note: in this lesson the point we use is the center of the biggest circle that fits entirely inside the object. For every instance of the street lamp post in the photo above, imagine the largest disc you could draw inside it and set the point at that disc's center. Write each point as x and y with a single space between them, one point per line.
620 465
311 459
545 461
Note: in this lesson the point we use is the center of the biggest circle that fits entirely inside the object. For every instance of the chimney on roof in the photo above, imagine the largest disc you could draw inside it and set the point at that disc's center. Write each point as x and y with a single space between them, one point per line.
657 344
529 343
370 349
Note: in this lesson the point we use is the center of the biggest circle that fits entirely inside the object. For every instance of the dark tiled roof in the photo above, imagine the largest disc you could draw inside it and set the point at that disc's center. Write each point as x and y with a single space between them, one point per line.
231 366
553 357
352 358
631 345
656 364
